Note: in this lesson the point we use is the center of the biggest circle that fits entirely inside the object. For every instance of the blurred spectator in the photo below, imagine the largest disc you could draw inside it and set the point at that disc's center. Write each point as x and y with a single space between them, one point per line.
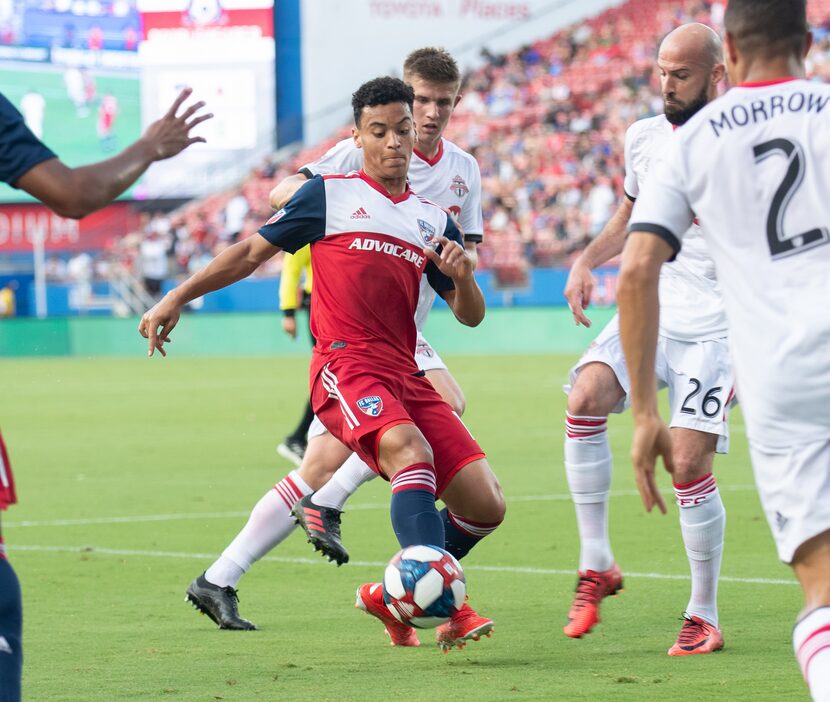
154 267
235 212
8 299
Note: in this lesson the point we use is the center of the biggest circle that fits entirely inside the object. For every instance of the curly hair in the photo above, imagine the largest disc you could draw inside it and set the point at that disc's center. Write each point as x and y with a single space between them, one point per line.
381 91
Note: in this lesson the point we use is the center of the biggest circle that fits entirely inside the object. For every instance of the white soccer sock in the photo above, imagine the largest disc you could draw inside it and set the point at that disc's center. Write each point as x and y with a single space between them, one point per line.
702 523
343 484
269 524
811 641
588 468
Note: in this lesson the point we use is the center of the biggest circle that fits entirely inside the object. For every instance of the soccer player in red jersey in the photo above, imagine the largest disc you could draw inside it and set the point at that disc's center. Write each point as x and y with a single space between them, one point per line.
443 173
371 240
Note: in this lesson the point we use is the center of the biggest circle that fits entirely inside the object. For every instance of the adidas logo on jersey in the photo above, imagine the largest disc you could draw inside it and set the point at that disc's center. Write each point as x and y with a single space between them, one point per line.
360 213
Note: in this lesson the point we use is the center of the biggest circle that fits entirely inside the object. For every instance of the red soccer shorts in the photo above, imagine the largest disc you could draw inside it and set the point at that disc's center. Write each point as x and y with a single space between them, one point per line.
357 403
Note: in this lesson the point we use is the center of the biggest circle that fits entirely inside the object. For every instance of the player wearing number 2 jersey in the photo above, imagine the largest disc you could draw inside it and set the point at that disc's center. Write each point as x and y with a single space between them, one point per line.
753 167
693 362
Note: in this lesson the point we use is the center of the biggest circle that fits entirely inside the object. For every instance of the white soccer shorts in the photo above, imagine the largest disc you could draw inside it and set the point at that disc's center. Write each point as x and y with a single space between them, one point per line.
698 375
427 357
794 485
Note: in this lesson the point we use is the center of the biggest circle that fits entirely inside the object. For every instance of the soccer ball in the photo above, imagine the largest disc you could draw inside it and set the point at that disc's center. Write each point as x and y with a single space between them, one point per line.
423 586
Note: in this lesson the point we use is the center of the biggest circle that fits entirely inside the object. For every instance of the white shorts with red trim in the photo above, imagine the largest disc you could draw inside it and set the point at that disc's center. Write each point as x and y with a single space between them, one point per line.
794 485
316 429
427 357
698 375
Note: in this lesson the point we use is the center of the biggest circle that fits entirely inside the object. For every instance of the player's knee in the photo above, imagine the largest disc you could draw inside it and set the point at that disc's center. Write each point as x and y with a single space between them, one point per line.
458 402
689 467
816 591
498 507
405 448
491 506
586 402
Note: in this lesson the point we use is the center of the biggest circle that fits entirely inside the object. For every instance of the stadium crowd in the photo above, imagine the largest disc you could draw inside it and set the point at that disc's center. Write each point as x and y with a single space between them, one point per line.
545 123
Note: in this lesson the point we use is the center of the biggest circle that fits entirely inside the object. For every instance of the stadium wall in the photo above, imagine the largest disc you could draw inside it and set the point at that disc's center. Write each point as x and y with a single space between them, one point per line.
504 331
544 288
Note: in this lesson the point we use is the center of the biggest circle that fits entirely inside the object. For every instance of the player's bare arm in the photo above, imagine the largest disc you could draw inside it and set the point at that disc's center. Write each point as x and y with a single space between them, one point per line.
75 192
637 296
233 264
608 244
285 189
466 301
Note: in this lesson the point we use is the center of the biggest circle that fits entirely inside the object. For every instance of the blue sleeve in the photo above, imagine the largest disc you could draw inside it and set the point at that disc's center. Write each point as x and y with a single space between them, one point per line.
303 219
438 280
20 150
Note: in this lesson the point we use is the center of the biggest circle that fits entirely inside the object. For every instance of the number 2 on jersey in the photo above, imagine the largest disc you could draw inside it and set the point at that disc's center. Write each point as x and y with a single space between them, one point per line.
781 245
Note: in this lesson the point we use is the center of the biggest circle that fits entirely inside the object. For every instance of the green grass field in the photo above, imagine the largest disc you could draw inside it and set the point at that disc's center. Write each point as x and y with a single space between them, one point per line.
72 137
134 474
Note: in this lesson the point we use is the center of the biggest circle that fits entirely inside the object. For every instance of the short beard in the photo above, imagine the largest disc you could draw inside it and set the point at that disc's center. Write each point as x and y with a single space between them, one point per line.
683 115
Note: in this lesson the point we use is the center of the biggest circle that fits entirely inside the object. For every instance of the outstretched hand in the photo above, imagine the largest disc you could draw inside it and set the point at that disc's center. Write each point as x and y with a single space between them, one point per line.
170 135
453 261
164 314
651 439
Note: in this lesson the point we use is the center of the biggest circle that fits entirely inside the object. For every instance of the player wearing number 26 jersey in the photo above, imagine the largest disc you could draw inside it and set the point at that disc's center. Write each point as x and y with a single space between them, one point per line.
754 167
768 147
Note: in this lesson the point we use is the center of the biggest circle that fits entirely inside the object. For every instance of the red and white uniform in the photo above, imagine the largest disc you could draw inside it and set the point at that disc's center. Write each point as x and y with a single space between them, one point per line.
753 167
368 260
451 179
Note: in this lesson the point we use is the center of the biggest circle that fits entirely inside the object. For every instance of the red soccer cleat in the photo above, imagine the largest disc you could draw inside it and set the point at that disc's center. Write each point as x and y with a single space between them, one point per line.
590 590
370 600
696 636
464 625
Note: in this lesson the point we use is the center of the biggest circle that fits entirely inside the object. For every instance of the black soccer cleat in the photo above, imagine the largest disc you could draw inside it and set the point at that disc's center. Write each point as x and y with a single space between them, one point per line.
219 603
322 527
292 450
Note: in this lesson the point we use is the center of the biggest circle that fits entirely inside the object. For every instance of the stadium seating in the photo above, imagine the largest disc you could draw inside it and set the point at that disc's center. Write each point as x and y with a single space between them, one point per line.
546 124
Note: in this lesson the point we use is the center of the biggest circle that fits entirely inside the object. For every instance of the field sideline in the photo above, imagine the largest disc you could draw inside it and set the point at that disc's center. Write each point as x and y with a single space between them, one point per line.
133 474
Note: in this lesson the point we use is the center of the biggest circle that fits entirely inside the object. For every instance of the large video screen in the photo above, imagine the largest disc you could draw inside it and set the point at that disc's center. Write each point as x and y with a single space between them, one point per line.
90 75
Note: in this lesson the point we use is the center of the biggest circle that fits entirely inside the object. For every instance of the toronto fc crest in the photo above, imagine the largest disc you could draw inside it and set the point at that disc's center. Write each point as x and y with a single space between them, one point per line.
459 187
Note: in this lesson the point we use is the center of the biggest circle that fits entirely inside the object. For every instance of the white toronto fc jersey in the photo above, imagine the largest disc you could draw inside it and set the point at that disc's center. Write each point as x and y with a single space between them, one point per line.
754 166
691 303
451 180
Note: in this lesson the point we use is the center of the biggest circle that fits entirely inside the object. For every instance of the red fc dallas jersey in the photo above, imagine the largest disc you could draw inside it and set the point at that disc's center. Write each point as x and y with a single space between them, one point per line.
7 494
368 259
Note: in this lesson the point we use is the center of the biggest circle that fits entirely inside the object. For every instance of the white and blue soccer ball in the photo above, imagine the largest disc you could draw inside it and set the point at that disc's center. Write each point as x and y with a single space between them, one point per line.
423 586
